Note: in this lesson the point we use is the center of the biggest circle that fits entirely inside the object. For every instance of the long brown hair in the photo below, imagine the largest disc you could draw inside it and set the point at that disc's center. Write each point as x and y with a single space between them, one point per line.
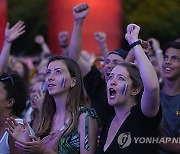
76 98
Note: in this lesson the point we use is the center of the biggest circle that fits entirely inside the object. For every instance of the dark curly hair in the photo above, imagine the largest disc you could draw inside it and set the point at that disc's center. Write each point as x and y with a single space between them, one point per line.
16 89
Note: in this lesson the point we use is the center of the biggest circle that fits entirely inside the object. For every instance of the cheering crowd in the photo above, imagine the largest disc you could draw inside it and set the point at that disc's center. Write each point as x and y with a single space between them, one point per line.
85 104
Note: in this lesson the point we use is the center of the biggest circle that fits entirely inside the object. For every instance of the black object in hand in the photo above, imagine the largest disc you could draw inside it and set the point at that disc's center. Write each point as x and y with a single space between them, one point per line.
80 9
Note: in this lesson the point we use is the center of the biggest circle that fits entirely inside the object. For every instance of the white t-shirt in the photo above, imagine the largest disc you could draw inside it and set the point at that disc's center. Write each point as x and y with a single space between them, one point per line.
4 145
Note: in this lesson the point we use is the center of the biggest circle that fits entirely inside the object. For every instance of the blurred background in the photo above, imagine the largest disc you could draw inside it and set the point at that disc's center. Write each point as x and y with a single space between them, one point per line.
157 18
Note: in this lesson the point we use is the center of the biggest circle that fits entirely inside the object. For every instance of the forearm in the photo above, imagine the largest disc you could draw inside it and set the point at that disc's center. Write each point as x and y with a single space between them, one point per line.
76 41
45 49
75 47
159 56
148 74
104 49
130 57
5 53
65 50
150 98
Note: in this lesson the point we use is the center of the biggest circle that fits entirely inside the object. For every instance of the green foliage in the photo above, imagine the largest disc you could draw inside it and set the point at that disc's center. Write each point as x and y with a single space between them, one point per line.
157 18
34 14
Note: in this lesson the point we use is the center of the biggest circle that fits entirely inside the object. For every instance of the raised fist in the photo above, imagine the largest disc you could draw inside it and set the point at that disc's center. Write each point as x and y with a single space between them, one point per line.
39 39
132 33
155 45
80 11
63 38
100 37
146 46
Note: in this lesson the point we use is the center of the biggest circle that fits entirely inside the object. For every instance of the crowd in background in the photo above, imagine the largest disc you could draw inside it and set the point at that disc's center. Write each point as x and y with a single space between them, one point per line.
78 102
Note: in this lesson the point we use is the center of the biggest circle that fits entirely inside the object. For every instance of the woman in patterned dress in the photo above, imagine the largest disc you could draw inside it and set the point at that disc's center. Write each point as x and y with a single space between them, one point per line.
67 126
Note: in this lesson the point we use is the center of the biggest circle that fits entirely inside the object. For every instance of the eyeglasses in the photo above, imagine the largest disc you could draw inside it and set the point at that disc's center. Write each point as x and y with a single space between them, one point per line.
7 77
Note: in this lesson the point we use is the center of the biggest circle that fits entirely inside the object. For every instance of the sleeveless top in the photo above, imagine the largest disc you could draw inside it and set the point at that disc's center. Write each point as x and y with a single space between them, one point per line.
70 143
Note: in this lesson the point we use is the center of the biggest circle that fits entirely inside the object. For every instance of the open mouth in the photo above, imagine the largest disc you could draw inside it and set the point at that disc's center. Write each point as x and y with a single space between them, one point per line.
33 100
108 73
112 93
51 85
168 69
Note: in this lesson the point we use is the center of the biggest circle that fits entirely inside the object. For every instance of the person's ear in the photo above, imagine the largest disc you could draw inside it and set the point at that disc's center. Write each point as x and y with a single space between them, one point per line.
135 91
73 82
10 102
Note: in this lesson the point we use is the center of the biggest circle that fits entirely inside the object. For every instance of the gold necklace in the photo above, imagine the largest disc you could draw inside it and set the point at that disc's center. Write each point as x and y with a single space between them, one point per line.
53 134
61 128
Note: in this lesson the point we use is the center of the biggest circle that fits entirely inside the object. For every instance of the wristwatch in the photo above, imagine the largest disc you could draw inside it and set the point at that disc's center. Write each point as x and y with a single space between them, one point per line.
135 43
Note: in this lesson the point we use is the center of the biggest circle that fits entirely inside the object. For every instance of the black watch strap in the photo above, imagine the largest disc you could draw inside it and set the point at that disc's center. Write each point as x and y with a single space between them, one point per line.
135 43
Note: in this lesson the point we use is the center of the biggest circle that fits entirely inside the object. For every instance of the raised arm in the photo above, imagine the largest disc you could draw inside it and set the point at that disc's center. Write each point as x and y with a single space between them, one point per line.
159 53
100 38
150 99
63 42
10 35
146 47
39 39
80 11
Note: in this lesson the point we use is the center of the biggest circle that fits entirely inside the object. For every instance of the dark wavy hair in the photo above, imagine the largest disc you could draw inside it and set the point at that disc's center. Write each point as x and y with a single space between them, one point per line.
76 97
171 44
17 90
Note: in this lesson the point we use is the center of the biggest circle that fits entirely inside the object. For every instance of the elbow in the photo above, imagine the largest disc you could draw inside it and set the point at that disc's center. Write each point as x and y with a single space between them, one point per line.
153 87
74 56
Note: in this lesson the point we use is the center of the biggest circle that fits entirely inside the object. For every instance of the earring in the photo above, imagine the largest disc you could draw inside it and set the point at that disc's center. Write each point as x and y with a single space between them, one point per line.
73 85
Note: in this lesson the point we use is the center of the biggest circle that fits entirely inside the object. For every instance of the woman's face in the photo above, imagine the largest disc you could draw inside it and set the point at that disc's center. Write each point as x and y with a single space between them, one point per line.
3 99
58 79
37 96
119 86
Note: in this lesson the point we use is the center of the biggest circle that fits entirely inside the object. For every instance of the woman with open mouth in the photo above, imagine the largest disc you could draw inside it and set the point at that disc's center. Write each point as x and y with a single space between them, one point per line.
133 91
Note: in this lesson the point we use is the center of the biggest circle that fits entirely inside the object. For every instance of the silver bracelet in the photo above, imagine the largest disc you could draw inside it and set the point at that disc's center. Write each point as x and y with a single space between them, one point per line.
159 51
